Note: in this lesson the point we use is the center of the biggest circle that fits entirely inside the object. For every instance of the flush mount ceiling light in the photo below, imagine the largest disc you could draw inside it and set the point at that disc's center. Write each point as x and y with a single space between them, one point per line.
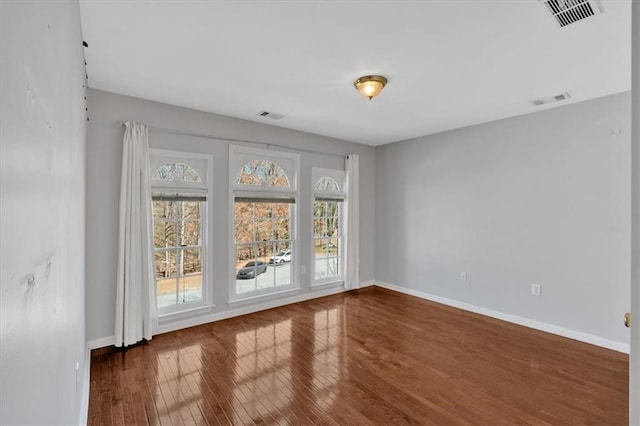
370 86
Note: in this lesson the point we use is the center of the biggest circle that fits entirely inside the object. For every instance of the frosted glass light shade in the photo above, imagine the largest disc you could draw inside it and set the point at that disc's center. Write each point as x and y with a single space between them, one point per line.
370 86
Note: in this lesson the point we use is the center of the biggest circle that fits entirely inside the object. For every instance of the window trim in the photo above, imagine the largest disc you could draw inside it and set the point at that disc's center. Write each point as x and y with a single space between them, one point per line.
290 163
197 190
328 195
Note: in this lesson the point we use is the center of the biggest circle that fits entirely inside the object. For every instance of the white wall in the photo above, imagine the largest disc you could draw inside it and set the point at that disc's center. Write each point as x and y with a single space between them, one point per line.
107 110
42 191
634 364
541 198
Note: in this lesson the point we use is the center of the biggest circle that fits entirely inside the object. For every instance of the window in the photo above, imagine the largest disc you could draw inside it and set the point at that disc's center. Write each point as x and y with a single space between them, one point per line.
178 249
263 245
263 198
262 172
328 258
176 171
179 193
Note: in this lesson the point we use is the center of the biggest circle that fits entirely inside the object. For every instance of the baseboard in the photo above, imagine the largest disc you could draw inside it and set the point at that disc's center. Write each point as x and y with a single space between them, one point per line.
86 386
204 319
538 325
218 316
102 342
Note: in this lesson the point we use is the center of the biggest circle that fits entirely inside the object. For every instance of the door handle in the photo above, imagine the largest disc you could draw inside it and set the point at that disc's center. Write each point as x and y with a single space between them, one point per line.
627 319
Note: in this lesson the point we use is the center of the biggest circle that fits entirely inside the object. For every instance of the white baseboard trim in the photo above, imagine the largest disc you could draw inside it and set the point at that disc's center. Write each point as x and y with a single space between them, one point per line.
235 312
102 342
538 325
243 310
86 386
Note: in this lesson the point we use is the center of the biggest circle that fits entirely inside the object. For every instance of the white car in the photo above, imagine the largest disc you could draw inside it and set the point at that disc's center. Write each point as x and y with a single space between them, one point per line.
280 257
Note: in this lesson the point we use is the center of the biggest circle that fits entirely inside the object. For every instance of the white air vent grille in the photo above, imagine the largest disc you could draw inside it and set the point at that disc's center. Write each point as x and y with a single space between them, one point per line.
271 115
567 12
551 99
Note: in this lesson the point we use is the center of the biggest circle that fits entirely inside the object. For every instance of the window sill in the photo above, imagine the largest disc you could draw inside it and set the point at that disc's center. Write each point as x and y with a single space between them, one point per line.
325 284
191 312
263 297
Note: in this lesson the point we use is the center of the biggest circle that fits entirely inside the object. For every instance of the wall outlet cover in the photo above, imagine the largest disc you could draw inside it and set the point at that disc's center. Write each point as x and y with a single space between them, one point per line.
536 289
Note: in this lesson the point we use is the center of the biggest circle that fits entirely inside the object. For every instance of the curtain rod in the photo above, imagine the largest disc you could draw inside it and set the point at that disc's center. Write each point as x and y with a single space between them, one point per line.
225 139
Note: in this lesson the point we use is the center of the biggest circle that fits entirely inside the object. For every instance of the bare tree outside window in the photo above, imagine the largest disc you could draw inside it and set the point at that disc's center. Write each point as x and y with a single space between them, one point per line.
262 230
262 172
327 238
177 236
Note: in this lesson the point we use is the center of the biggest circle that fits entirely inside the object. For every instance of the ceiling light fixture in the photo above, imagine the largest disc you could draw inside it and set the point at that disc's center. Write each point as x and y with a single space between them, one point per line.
370 86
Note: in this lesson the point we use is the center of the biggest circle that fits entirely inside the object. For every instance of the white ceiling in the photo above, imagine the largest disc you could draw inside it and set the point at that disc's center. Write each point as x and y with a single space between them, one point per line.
449 63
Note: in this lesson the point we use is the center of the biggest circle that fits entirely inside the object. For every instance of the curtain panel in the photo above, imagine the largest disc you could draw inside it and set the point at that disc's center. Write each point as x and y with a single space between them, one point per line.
136 317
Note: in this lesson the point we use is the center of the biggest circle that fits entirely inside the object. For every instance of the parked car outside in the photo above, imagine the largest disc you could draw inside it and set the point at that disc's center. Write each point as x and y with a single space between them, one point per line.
280 257
251 270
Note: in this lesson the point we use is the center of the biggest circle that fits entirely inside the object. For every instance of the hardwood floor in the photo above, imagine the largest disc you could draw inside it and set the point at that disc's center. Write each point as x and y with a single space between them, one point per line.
371 356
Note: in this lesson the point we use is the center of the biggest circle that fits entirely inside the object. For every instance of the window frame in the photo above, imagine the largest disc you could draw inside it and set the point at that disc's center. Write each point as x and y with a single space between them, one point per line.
339 176
290 164
203 165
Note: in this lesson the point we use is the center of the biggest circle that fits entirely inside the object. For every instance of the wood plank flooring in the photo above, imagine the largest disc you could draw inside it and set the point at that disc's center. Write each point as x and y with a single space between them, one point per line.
370 356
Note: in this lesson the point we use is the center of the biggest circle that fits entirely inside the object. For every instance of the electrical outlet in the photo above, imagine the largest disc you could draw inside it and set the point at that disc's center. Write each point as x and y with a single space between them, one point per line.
536 289
463 276
303 270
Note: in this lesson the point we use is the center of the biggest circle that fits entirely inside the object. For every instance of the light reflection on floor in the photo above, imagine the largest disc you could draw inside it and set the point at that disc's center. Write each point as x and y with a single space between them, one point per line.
261 383
265 362
263 371
179 382
326 371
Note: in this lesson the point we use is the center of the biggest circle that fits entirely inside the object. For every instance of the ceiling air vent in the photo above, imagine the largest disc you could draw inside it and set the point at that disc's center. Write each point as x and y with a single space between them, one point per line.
550 99
271 115
567 12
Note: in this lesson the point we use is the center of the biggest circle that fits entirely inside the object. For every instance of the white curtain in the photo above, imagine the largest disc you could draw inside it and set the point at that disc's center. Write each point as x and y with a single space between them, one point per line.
136 315
352 269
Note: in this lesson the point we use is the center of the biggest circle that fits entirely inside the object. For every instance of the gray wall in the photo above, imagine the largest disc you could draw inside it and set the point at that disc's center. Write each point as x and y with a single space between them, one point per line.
634 364
541 198
107 110
42 187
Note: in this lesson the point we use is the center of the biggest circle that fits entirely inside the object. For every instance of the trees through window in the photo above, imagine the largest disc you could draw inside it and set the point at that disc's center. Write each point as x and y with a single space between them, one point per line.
262 172
264 197
328 258
179 193
178 250
263 194
263 245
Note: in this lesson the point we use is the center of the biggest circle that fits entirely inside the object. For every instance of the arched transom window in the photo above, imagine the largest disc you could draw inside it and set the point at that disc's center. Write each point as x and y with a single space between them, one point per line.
177 171
327 183
262 172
